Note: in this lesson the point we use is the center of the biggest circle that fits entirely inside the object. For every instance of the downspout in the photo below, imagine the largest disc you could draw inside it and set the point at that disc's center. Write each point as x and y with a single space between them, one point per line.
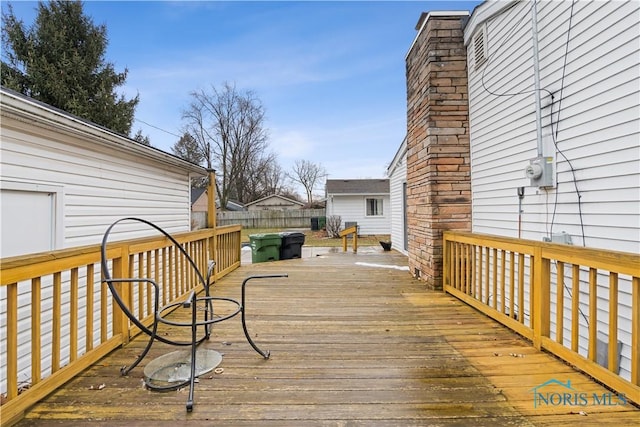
536 76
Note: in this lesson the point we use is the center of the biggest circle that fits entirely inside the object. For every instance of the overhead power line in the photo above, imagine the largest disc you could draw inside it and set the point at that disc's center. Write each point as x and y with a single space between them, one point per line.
156 127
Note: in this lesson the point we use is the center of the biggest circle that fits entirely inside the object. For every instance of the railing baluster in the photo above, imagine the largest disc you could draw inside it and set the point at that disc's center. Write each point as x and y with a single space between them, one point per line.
88 330
512 282
57 322
104 304
474 289
36 326
487 294
575 308
613 322
141 286
593 314
173 277
560 303
502 280
521 288
73 316
456 262
166 291
470 262
494 277
480 273
147 291
12 340
635 331
532 281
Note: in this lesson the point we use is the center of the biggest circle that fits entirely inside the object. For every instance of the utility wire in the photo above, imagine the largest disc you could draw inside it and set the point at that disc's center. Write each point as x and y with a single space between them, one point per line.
156 127
554 136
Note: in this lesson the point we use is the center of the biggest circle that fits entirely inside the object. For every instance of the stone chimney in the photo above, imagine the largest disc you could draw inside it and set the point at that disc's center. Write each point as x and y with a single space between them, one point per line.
438 153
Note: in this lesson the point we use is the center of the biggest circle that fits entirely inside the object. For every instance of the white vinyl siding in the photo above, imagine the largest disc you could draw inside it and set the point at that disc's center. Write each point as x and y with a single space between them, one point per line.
99 186
598 129
596 114
92 177
352 208
397 182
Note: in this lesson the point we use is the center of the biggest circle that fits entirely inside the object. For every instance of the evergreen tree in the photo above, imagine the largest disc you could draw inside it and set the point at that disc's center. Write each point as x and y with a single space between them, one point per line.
188 149
60 61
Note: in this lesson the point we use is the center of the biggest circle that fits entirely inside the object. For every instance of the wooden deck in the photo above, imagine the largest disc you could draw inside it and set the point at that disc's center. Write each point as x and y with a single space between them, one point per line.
351 344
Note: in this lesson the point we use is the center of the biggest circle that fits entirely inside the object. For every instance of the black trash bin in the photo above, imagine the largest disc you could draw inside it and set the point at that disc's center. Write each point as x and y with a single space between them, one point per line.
315 223
291 245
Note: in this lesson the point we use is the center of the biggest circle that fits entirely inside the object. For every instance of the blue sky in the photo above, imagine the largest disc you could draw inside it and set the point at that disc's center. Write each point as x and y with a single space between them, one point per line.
331 74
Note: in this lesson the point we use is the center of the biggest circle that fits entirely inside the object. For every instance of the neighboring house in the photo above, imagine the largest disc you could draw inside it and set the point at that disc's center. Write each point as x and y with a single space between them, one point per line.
199 202
200 205
364 201
397 172
64 179
485 135
275 202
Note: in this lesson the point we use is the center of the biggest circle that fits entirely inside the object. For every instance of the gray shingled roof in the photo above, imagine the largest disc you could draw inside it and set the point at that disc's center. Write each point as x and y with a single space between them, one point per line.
357 186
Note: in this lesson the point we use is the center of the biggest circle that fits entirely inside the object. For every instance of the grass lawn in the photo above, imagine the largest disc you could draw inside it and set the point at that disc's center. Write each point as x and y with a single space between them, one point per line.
318 238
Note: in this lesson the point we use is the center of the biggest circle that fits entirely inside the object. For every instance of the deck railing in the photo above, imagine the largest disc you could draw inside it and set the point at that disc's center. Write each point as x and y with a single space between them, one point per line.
345 234
59 319
581 304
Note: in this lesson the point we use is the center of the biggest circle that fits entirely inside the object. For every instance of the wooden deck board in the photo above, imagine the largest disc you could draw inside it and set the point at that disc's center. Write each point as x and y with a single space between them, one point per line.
350 345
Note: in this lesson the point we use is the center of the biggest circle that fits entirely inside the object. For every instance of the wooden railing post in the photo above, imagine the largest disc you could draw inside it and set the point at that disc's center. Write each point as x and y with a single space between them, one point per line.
121 270
211 219
541 288
446 260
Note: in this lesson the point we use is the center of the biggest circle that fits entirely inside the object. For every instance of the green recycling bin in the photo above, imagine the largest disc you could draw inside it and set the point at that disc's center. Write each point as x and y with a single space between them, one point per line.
322 222
265 247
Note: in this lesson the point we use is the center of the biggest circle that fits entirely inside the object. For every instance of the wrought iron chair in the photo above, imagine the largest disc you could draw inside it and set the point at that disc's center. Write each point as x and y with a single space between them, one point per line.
201 321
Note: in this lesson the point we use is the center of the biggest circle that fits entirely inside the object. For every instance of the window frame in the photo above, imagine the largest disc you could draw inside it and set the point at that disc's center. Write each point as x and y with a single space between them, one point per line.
379 206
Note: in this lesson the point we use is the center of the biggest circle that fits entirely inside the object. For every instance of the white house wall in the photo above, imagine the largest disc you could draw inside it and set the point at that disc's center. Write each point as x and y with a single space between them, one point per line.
397 181
598 126
95 178
98 184
353 208
594 117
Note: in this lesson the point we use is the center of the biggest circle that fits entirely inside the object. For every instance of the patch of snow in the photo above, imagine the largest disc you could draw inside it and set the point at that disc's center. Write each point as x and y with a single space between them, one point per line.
396 267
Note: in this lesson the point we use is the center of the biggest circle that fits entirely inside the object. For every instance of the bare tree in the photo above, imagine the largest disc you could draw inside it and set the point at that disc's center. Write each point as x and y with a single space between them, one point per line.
263 177
309 175
228 128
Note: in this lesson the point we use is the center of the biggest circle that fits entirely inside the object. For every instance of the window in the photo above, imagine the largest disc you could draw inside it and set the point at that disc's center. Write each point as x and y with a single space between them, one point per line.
374 207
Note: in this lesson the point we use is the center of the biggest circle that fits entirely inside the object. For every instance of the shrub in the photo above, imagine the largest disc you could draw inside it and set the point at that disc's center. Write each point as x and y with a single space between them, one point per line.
333 225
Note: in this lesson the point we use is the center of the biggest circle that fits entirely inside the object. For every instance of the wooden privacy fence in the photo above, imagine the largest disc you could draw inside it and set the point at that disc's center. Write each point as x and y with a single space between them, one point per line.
580 304
294 218
60 318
